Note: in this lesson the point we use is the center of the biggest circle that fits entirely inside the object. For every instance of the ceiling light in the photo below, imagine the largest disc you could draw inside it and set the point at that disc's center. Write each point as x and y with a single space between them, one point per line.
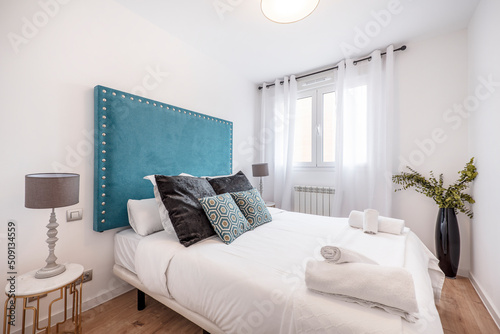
287 11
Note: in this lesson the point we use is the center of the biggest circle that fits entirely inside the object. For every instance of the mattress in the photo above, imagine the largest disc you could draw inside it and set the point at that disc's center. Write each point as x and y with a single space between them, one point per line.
256 284
126 243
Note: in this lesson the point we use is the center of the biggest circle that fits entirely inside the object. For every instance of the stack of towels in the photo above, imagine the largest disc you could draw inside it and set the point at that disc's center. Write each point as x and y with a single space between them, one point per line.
371 222
353 277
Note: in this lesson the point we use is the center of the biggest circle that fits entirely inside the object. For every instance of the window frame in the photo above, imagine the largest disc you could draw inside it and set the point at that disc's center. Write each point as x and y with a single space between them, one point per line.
317 130
320 126
302 95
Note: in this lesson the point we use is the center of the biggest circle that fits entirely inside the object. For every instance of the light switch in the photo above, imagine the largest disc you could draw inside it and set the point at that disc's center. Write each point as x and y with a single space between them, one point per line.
74 214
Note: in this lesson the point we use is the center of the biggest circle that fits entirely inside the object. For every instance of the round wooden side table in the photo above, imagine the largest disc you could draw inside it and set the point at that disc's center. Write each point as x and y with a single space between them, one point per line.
27 286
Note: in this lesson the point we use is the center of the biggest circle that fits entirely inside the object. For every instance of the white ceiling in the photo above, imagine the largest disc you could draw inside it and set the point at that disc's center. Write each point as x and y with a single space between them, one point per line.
238 35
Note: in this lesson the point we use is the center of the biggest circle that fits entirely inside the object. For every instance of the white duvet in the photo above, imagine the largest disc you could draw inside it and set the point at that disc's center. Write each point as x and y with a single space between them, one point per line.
256 284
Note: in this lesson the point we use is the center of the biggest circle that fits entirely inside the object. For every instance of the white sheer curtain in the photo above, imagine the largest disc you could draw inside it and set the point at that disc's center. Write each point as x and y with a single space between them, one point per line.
364 154
277 135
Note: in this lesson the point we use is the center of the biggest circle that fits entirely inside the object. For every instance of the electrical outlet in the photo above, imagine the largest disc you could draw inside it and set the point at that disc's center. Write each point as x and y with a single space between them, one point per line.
74 214
87 276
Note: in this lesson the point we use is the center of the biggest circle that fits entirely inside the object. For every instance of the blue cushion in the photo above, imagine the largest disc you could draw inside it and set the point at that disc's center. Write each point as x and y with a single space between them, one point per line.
253 207
225 217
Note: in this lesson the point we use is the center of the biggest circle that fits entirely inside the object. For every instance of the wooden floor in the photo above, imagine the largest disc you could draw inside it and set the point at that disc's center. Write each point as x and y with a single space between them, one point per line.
120 316
460 309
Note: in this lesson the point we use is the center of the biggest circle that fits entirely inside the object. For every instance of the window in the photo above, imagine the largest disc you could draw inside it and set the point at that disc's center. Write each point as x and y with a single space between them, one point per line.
314 144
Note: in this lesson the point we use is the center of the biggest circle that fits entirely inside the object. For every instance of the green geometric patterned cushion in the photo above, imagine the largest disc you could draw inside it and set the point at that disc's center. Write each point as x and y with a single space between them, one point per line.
225 217
253 207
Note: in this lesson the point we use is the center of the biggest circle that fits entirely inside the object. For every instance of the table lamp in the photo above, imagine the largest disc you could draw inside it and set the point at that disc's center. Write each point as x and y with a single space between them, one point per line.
260 170
49 191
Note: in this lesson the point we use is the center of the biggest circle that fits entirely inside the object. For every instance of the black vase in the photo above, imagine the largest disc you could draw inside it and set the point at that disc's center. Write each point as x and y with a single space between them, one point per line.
448 241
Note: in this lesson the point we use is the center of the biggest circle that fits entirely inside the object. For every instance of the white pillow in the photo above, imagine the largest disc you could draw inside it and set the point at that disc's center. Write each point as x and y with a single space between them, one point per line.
162 210
143 216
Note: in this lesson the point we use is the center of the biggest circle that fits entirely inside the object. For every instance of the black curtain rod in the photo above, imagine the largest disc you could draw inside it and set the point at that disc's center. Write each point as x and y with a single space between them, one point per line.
402 48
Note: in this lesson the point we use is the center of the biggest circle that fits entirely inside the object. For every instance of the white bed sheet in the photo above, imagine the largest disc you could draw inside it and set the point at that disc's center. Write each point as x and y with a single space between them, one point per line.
126 243
256 284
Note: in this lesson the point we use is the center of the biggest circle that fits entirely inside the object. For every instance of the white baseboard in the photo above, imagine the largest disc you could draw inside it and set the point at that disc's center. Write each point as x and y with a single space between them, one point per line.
86 305
486 301
106 296
463 273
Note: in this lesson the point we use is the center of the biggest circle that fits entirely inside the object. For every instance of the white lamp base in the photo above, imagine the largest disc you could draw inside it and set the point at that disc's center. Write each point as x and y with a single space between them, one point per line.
52 268
50 272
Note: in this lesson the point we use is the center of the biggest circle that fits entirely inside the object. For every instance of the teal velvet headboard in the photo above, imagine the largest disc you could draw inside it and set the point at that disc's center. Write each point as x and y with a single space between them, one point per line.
136 136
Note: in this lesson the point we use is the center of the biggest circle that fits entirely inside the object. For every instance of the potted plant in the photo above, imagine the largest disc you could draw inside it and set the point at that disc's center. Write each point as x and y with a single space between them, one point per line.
449 199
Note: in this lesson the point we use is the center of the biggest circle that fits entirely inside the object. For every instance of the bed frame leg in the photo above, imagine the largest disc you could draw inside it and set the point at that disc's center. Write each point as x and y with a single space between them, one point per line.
141 300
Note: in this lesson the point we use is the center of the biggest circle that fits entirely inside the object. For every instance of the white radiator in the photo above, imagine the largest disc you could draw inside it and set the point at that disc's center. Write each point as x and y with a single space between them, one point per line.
314 200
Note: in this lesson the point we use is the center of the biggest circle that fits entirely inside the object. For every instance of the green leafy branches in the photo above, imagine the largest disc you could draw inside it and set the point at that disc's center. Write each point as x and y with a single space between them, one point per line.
451 197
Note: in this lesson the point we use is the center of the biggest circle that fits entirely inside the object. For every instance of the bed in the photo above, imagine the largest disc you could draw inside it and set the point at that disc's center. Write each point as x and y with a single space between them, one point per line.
256 283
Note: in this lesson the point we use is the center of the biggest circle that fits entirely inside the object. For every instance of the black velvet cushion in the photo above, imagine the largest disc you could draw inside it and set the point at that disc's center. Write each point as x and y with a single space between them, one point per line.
230 184
180 196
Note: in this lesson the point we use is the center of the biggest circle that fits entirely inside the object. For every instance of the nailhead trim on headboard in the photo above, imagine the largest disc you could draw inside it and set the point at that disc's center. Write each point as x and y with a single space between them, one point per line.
105 97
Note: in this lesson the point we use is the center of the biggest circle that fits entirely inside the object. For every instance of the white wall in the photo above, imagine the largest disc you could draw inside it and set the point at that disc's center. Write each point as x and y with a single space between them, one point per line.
431 79
46 89
484 53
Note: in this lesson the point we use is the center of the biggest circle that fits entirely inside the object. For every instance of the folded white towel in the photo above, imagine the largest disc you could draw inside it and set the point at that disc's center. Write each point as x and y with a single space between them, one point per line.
390 225
356 219
385 224
333 254
370 221
390 288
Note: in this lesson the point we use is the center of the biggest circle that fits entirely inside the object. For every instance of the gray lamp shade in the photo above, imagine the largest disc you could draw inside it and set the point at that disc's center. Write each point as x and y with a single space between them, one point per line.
260 169
51 190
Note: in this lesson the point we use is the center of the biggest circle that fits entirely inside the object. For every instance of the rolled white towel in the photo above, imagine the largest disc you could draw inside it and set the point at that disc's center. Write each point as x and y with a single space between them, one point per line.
356 219
333 254
390 225
370 221
385 224
389 288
